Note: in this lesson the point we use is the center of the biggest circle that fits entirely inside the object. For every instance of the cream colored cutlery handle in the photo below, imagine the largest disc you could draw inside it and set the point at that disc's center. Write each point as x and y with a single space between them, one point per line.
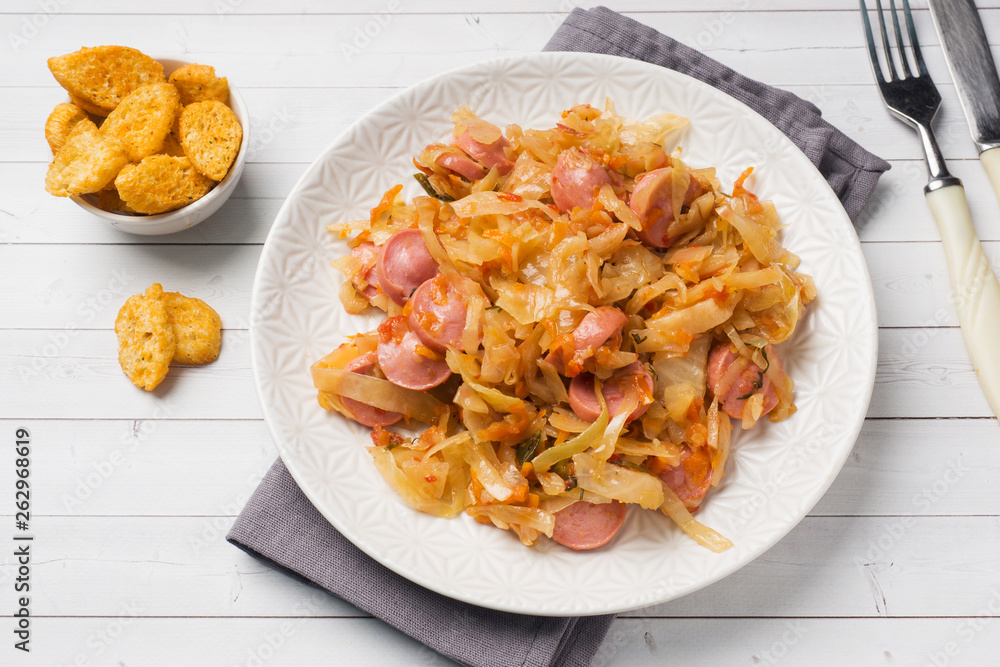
973 284
991 162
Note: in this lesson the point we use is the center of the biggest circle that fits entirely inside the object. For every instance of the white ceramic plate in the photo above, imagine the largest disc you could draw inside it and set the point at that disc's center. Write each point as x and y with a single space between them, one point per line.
777 471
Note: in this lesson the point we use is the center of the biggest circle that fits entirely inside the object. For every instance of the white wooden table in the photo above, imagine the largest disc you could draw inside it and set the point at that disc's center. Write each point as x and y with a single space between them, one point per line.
898 564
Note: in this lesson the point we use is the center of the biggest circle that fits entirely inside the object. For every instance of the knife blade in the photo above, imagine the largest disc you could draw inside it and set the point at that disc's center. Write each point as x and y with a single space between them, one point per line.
970 62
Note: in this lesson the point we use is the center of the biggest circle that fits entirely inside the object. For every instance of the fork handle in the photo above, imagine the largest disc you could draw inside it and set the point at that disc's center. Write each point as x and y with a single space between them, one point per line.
974 287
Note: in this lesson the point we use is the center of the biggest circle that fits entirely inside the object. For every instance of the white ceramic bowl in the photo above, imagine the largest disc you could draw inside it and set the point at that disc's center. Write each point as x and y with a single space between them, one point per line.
192 214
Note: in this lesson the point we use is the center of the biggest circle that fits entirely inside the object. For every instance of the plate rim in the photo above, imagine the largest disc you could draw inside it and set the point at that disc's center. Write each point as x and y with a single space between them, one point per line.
486 65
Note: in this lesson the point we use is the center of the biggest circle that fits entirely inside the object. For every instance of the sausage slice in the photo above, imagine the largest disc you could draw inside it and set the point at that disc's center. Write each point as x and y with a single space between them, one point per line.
652 201
404 263
584 525
405 360
595 329
576 178
461 164
363 413
489 155
691 479
634 379
733 379
438 310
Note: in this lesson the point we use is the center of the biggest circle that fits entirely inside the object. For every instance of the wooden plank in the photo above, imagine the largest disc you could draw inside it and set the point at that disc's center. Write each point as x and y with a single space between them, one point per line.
166 467
179 566
151 467
343 7
826 567
124 639
394 49
296 123
286 124
925 373
767 642
631 642
348 7
922 373
911 283
75 374
37 217
861 566
46 219
902 466
292 50
897 211
85 289
261 180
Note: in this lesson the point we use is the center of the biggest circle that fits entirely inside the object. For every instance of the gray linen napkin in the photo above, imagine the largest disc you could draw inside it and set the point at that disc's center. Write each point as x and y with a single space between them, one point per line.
281 527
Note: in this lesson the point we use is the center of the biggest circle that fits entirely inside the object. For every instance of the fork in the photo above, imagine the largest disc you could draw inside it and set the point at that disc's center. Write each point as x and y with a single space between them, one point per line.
914 99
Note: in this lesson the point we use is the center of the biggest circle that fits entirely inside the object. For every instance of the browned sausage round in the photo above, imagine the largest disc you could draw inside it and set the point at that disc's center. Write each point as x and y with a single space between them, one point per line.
595 329
692 478
489 155
583 525
438 311
363 413
461 164
576 178
634 379
652 201
733 379
405 360
404 262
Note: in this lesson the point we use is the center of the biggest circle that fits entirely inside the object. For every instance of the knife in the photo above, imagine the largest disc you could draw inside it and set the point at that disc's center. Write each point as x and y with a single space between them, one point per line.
974 285
970 62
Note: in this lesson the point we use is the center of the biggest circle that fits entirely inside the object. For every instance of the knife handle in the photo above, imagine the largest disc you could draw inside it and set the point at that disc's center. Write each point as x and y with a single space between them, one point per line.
991 163
974 286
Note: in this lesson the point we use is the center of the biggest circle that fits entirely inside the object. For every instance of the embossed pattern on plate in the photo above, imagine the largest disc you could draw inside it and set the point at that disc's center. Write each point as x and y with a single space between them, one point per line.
777 471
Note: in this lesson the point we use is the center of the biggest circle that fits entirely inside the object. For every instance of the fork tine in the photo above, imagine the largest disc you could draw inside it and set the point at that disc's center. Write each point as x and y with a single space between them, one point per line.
917 57
885 42
899 39
872 53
